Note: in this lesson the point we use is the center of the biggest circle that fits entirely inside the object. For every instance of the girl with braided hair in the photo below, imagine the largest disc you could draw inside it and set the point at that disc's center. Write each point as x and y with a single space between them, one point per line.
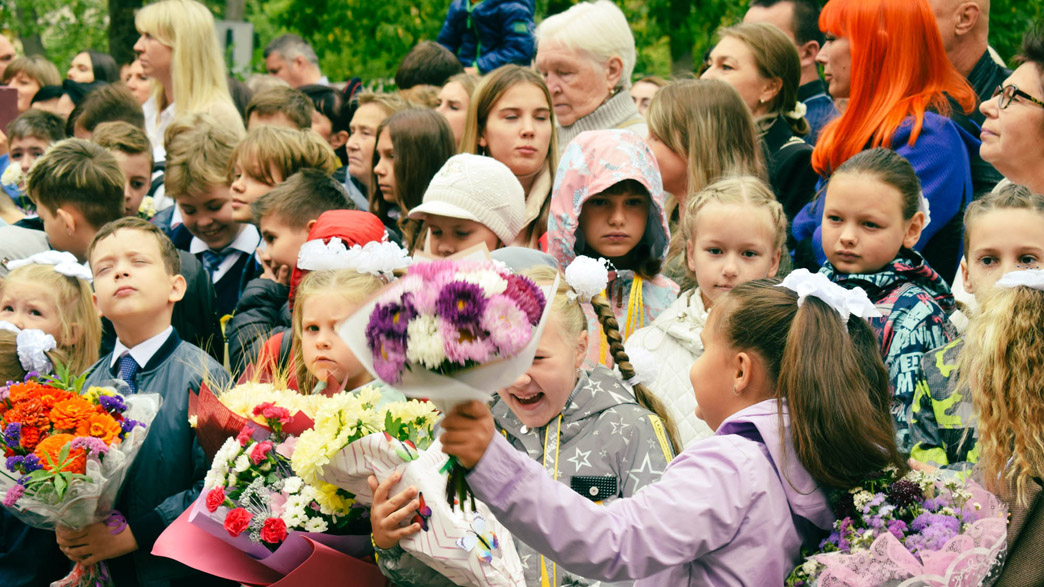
584 428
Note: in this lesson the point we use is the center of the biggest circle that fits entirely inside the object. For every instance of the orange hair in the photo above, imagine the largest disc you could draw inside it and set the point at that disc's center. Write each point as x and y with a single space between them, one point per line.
899 70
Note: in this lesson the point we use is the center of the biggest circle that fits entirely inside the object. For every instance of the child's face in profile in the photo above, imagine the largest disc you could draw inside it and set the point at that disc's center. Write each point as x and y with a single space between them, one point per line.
541 392
30 305
208 216
613 225
137 172
450 235
733 244
282 241
863 226
325 355
246 189
130 278
26 150
712 376
1000 241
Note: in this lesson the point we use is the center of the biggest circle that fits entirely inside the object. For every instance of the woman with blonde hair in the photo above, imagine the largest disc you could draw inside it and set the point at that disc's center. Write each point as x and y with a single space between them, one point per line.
684 117
511 118
760 61
178 49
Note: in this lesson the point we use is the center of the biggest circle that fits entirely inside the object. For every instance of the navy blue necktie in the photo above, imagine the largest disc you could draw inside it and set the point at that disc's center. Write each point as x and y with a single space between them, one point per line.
128 369
212 259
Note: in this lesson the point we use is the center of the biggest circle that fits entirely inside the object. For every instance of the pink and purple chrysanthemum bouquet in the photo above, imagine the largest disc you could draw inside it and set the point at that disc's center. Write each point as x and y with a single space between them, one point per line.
446 316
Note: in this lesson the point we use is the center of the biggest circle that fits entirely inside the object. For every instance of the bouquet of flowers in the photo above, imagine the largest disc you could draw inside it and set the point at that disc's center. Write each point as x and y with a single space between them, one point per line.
262 495
68 453
914 530
217 418
450 331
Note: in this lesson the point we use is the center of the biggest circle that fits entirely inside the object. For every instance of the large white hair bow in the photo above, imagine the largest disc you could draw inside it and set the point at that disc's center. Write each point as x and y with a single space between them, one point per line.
376 258
33 346
588 277
1033 278
847 302
63 262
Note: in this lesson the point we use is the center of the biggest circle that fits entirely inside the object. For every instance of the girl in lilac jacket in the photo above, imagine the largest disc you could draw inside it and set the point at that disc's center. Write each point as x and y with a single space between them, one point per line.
799 401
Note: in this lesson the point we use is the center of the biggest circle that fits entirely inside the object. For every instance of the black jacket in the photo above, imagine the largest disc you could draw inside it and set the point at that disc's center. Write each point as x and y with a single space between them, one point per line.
262 311
790 170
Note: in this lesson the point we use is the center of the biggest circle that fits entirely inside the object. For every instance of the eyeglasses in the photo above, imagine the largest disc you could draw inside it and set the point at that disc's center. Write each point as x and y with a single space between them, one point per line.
1007 93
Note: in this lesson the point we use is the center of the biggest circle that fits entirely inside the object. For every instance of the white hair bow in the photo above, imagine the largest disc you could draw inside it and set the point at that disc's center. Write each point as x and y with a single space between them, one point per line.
587 277
1033 278
847 302
33 346
924 208
377 258
63 262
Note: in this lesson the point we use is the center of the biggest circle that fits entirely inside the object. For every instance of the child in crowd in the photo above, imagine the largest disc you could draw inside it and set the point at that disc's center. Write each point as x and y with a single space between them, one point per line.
286 215
1002 359
734 231
608 202
132 150
107 103
471 200
280 106
351 227
512 119
412 146
371 110
321 360
136 284
198 152
798 397
77 187
268 155
871 221
50 292
330 120
1003 232
454 99
583 427
29 137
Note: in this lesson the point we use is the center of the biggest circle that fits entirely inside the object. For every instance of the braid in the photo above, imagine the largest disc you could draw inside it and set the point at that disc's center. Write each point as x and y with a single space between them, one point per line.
645 398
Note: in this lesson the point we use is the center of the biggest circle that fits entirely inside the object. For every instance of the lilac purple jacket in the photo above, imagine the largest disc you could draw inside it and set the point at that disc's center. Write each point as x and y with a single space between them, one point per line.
732 509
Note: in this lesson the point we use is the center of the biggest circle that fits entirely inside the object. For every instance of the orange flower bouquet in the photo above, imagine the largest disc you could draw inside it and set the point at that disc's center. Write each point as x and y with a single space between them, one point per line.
67 452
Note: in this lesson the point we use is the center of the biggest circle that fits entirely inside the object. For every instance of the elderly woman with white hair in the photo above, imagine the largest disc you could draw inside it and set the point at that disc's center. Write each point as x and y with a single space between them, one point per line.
586 55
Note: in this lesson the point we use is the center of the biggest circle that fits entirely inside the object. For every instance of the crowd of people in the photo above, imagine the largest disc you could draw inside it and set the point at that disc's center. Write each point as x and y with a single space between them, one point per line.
165 208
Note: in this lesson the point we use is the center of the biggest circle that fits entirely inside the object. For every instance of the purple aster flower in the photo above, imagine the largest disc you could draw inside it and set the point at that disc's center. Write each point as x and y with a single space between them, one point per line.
875 522
389 359
461 304
389 320
527 295
14 494
13 434
127 425
30 375
113 404
462 347
12 463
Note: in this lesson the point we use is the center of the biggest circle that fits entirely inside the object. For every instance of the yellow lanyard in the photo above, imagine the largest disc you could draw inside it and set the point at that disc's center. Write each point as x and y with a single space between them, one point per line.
552 468
635 319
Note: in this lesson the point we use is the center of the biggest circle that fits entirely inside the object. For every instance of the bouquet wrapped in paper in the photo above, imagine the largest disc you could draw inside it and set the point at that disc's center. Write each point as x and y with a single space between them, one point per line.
914 530
467 547
218 417
451 330
261 496
68 453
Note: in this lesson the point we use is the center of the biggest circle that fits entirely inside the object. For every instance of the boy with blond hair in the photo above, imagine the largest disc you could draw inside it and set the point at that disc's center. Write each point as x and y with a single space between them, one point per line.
136 284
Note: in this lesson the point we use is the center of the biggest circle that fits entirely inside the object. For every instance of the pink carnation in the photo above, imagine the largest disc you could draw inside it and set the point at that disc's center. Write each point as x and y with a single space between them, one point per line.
270 411
260 452
243 438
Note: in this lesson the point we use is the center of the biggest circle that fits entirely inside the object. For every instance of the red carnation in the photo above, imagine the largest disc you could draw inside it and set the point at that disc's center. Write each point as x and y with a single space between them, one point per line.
215 498
244 435
270 411
260 452
274 531
237 521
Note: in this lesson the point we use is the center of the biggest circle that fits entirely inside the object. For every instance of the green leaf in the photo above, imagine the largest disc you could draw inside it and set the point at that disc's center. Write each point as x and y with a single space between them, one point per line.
59 486
63 455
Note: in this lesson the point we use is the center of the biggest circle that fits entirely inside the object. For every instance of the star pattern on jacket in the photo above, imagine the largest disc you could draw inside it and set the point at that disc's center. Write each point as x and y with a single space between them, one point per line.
636 475
580 459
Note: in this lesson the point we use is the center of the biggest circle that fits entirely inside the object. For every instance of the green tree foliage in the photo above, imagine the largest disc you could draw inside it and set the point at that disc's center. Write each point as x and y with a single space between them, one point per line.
1009 20
63 27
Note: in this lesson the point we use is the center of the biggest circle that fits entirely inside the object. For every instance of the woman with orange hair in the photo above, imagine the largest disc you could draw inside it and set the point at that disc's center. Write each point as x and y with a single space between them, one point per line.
885 57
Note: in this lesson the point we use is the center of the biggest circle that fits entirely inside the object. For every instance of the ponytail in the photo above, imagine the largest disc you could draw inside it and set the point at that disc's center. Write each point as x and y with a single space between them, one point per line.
645 398
829 374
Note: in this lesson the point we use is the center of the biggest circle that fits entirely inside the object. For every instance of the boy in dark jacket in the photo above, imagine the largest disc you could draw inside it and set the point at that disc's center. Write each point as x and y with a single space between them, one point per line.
486 34
136 285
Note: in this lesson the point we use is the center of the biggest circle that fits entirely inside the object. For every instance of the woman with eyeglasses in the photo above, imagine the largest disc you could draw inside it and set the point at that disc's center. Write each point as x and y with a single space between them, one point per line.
1013 133
886 58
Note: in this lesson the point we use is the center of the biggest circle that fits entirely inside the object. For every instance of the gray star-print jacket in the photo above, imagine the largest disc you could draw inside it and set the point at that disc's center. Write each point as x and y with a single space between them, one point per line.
609 447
